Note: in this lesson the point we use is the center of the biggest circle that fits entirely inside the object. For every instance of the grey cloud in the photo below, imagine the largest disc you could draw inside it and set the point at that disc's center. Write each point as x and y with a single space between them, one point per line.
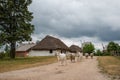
77 18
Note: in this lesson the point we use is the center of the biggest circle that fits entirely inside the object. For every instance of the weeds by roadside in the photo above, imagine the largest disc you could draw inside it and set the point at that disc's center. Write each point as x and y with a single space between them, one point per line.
8 64
110 65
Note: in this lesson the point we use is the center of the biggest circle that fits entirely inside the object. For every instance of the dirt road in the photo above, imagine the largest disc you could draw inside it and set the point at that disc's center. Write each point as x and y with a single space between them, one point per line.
87 69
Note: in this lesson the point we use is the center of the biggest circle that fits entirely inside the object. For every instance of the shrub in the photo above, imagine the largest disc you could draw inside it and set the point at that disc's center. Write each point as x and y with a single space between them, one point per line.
2 55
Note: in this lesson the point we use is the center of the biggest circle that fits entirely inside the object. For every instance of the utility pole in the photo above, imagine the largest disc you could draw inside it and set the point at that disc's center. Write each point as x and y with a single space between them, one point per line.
81 43
103 48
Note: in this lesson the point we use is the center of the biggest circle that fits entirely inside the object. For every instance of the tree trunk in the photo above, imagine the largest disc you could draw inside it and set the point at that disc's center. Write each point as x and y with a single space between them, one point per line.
12 50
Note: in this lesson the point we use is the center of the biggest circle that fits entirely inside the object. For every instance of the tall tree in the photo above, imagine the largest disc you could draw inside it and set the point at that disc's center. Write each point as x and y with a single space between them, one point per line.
88 48
113 48
118 51
15 22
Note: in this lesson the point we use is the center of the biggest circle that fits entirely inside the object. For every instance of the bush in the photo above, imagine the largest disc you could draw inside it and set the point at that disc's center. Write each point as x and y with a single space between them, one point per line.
98 53
7 54
106 54
2 55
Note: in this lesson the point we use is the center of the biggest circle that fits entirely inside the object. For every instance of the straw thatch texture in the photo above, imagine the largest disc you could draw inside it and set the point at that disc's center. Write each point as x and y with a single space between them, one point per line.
75 48
49 43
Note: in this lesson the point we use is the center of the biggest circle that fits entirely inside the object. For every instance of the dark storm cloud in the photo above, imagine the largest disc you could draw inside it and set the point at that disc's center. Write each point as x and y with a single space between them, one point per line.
108 34
77 18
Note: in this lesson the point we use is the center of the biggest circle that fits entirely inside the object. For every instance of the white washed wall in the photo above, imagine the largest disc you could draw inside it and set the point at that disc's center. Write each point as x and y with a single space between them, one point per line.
41 53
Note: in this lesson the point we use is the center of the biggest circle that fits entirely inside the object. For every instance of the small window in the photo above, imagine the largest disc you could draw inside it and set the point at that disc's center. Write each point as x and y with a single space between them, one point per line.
51 51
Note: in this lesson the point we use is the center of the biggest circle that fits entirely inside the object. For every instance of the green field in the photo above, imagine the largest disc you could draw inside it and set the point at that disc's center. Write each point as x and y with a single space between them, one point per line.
21 63
110 65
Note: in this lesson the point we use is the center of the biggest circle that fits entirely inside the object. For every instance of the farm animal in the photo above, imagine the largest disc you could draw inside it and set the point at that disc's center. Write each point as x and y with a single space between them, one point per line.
75 56
91 54
79 56
72 57
61 57
86 55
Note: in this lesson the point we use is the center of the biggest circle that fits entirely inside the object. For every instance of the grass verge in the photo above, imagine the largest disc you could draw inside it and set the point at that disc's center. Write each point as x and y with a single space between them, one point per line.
110 65
21 63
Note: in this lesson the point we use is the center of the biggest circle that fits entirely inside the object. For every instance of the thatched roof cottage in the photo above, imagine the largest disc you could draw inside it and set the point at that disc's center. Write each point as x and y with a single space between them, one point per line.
48 46
75 48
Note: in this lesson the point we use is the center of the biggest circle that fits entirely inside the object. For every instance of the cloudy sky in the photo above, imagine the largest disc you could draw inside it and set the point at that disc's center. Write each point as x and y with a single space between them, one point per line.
76 21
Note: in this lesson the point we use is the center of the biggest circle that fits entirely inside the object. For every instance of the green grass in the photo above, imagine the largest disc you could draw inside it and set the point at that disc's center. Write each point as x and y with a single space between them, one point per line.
110 65
8 64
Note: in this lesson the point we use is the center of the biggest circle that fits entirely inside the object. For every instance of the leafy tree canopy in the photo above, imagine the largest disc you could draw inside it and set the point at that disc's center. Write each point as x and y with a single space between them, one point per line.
88 48
113 48
15 22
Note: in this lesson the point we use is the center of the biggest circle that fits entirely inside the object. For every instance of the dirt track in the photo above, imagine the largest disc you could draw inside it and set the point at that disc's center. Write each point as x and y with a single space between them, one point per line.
87 69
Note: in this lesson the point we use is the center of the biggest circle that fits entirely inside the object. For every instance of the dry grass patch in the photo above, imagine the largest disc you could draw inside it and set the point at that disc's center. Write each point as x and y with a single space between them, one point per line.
21 63
110 65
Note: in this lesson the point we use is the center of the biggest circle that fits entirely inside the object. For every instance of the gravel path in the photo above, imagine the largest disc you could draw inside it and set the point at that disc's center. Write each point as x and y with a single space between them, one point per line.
87 69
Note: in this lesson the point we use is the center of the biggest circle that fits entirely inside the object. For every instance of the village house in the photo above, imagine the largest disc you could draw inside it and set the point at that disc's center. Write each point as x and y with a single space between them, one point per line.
75 49
48 46
24 49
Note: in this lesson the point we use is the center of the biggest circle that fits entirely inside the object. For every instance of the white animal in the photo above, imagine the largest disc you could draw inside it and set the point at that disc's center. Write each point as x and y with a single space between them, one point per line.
86 55
62 58
79 56
91 54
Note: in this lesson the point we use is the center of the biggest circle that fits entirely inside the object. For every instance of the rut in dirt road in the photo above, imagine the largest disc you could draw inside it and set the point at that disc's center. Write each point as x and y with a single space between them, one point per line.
87 69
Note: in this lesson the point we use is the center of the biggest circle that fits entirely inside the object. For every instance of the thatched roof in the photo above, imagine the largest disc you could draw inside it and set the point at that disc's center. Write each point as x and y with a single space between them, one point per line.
75 48
49 43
